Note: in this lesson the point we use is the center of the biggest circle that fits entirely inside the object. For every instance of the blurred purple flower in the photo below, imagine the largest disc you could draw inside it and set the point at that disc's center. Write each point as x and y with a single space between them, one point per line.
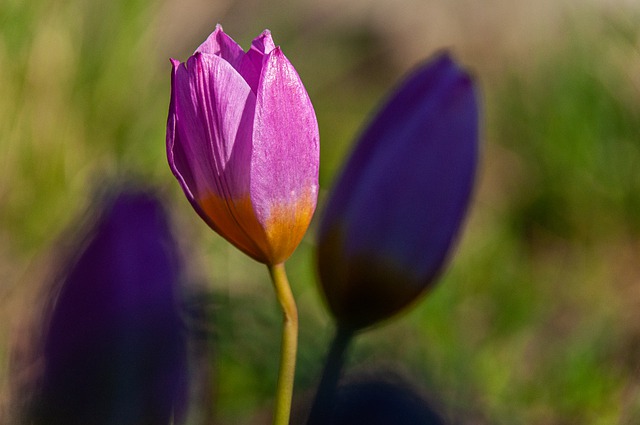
242 140
399 203
114 350
381 402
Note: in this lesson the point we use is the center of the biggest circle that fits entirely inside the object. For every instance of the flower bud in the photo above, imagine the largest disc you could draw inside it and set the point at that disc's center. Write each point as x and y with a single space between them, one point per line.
242 140
398 205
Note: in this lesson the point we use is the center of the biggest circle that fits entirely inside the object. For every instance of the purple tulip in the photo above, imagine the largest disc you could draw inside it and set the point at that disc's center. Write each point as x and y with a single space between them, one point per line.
242 140
399 203
114 349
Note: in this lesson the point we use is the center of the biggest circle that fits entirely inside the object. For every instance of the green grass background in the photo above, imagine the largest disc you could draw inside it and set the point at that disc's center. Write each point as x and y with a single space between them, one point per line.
536 321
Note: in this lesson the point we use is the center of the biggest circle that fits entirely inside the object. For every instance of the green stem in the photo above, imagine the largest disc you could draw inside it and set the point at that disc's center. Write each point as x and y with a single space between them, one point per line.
289 347
323 402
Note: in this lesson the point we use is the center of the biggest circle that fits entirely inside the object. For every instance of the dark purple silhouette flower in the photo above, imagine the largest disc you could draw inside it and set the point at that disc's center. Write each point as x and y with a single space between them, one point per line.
114 350
396 209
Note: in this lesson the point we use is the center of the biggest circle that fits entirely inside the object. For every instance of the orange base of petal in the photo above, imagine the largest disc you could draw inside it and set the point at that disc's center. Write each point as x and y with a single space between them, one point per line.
269 243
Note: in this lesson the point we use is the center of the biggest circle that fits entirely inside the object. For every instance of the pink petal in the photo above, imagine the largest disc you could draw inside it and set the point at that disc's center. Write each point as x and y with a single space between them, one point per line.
212 102
284 161
209 144
251 65
220 44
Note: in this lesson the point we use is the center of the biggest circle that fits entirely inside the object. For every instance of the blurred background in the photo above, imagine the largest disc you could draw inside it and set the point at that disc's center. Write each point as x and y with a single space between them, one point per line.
537 320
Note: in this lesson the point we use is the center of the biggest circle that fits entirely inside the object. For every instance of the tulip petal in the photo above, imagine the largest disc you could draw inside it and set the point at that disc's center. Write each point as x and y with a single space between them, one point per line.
211 127
209 148
284 161
251 65
220 44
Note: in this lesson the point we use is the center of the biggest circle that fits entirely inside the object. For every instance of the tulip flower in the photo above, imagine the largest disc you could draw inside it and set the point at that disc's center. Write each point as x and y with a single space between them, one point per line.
398 205
242 140
114 352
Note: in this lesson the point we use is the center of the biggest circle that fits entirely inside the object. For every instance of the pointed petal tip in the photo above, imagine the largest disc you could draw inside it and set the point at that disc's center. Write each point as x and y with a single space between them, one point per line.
440 68
444 55
464 77
446 60
219 43
264 42
266 35
213 43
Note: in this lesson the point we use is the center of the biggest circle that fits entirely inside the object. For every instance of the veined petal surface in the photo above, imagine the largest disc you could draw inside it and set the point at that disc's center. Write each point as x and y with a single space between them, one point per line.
285 157
211 150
